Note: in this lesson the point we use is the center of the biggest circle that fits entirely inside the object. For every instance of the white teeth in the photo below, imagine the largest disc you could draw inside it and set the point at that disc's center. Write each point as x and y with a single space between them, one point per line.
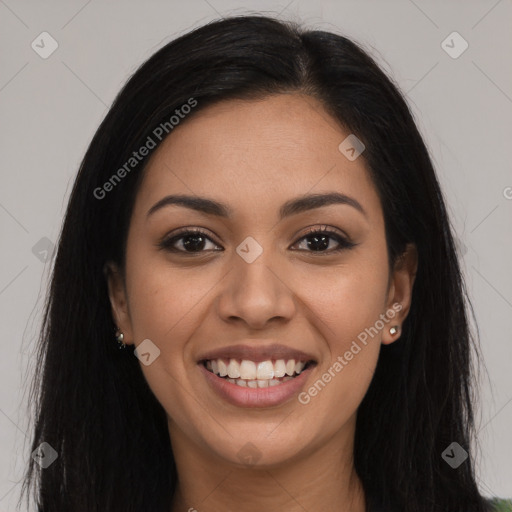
248 370
233 369
223 371
265 371
290 367
279 368
256 375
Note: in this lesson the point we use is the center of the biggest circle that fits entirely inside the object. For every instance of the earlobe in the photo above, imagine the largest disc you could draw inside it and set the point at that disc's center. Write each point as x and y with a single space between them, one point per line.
118 300
400 293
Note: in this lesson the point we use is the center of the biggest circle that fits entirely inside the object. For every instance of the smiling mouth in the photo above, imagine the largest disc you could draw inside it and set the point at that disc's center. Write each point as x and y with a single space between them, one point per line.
251 374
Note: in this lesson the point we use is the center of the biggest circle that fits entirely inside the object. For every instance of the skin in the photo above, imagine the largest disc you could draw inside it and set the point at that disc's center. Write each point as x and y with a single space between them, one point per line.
254 156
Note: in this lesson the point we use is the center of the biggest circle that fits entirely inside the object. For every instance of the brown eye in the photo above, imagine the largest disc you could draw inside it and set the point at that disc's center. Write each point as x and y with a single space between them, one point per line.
192 241
319 239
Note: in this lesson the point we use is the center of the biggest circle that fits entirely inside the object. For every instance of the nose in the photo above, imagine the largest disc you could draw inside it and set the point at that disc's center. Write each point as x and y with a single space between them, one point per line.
256 293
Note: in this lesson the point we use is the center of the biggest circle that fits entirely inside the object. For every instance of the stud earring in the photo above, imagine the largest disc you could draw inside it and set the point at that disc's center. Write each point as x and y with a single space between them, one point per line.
393 330
119 338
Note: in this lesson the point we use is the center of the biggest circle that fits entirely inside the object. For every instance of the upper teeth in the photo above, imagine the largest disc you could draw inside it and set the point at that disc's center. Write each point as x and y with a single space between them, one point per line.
249 370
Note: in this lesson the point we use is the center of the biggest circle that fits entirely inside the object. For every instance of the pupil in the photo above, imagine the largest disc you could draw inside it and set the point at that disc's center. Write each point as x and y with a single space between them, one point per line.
193 245
316 238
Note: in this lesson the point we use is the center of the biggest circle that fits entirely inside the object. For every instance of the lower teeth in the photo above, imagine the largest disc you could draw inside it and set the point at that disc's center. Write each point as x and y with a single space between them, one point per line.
258 383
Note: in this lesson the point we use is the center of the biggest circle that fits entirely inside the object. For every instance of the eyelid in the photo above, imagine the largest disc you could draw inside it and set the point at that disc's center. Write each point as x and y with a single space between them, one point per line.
325 228
187 230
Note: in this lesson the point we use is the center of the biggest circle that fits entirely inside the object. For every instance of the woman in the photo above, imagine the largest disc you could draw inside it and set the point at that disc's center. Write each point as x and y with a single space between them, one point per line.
257 221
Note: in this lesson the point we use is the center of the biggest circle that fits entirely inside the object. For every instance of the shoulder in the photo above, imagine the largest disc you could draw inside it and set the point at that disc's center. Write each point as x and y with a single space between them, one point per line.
500 505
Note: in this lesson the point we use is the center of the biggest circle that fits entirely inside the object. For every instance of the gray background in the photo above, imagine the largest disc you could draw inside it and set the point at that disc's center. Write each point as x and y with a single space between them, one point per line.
51 107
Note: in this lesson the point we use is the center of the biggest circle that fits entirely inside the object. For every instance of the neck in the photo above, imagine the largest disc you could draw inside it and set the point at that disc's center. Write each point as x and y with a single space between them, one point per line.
322 478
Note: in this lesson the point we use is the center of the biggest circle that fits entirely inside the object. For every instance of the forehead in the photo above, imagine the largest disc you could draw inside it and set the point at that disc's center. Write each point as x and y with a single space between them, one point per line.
253 153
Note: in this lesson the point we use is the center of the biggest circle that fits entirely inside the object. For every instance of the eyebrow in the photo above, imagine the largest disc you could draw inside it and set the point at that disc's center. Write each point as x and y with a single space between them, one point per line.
291 207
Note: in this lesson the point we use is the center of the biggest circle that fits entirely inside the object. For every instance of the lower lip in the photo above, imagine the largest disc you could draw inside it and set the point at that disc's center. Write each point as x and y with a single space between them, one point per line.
256 397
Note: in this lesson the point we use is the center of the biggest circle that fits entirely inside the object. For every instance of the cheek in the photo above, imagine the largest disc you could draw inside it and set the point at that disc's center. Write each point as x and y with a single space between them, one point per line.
164 307
163 298
345 305
345 300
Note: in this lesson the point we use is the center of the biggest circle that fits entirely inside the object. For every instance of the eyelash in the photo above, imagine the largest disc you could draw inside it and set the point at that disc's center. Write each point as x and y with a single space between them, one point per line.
167 243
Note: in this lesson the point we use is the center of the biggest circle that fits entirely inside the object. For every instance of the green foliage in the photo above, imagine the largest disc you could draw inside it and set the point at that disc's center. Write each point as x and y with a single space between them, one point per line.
500 505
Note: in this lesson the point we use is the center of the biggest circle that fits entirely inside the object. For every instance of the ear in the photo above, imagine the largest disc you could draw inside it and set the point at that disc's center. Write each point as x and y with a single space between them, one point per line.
400 292
118 300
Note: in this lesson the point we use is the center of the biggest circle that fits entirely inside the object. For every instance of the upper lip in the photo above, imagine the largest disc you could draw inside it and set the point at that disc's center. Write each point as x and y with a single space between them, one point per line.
257 353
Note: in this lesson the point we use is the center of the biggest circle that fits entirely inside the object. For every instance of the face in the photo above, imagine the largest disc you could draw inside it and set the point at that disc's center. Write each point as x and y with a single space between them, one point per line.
312 279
